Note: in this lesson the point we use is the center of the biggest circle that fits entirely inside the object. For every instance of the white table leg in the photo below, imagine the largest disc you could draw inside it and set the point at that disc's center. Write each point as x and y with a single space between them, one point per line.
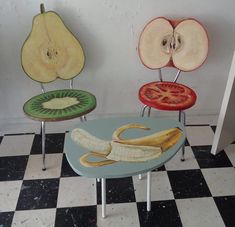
103 194
149 191
140 176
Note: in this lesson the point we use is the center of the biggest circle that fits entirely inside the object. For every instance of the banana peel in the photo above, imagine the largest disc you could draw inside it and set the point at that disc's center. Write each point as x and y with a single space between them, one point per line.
130 150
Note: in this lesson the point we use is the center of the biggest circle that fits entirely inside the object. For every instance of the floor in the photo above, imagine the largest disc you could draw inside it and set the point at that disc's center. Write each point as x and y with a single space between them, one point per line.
197 192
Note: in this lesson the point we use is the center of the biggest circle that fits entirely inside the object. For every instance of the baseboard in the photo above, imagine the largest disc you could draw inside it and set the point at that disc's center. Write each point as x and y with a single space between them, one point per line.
17 125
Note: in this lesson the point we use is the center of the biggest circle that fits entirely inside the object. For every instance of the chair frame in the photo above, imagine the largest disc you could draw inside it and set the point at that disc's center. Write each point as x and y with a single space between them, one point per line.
182 114
43 128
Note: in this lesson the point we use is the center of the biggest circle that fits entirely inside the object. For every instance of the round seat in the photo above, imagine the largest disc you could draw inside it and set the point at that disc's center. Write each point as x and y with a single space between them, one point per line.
167 96
60 105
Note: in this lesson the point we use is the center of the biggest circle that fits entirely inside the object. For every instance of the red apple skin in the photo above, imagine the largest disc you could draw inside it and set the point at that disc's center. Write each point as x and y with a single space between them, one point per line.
173 23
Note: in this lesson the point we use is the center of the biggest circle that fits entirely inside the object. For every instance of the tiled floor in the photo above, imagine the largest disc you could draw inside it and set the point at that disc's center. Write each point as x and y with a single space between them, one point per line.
197 192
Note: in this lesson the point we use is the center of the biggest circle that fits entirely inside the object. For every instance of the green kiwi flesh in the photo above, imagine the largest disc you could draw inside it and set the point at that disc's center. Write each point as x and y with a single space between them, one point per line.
35 108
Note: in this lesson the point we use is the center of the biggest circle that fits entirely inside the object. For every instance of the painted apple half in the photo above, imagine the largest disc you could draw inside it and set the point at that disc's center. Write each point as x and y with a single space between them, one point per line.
181 44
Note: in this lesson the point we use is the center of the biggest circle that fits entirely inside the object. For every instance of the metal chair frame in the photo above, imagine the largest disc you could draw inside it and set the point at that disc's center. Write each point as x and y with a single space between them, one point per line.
182 114
43 128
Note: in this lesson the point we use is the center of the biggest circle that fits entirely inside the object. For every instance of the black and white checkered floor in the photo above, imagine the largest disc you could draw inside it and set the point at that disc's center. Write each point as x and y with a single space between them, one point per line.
197 192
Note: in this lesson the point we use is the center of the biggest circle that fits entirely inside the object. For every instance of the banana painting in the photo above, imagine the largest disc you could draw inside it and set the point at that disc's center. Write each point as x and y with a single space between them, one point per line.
129 150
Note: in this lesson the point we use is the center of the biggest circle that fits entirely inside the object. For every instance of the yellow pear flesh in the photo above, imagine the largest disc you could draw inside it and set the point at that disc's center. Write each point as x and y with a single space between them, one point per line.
51 51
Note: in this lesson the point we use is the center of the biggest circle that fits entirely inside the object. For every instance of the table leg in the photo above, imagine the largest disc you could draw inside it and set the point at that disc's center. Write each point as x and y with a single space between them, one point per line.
103 194
149 191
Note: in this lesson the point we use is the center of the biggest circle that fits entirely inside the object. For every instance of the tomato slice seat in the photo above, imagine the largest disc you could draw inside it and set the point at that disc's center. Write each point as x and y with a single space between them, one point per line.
167 96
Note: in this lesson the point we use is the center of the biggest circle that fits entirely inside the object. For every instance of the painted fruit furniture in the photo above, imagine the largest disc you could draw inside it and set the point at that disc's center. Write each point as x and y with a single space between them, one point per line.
52 52
121 147
182 45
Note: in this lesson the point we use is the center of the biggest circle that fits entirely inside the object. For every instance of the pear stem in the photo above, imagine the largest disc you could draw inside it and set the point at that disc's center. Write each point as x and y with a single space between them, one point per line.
42 8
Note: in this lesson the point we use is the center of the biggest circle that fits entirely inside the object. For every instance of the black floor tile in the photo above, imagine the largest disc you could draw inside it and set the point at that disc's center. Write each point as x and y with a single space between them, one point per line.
120 190
207 160
213 128
188 184
12 168
1 137
6 219
162 214
226 207
187 143
162 168
66 170
20 134
76 216
54 143
38 194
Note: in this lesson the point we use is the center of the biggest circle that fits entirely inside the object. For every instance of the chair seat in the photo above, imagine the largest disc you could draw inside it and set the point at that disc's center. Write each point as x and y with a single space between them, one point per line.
60 105
167 96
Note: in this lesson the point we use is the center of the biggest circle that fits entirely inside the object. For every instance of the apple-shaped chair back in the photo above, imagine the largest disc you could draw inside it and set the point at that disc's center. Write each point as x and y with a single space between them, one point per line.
182 44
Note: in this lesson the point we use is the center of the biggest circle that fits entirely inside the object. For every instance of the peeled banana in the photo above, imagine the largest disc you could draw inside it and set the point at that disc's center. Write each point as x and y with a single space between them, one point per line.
90 142
129 150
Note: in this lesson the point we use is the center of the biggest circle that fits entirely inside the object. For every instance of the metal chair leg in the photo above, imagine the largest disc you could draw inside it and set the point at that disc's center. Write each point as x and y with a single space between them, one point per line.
149 111
182 119
149 191
83 118
43 145
103 199
143 110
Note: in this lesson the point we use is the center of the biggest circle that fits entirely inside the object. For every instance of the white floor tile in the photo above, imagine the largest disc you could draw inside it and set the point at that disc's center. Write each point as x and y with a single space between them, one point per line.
34 167
176 164
221 181
199 135
160 187
230 151
199 212
9 193
76 191
16 145
118 215
35 218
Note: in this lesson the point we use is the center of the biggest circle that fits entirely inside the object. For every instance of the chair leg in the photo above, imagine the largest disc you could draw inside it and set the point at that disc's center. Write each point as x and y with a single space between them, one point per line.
43 145
149 191
142 115
149 111
182 119
142 112
83 118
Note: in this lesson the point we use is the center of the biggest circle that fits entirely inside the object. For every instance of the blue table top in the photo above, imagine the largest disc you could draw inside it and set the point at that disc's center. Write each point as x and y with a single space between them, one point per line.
103 129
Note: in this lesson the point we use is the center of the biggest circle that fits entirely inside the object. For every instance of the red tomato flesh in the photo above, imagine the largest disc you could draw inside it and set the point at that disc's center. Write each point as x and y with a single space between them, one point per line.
167 96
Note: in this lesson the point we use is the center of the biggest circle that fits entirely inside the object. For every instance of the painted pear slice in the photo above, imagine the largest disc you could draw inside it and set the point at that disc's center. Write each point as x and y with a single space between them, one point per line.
51 51
181 44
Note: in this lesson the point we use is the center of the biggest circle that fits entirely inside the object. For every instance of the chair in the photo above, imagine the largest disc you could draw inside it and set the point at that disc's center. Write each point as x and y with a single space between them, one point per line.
180 44
51 52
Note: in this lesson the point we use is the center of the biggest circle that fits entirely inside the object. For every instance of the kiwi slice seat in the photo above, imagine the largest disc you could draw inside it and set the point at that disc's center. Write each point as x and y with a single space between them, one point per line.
60 105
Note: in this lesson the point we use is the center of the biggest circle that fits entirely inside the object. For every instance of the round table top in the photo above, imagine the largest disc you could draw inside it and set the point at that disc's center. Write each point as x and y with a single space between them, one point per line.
103 129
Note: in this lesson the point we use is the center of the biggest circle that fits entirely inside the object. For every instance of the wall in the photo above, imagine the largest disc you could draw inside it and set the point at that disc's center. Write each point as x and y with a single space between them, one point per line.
108 31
